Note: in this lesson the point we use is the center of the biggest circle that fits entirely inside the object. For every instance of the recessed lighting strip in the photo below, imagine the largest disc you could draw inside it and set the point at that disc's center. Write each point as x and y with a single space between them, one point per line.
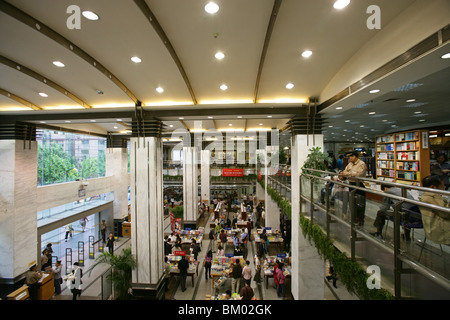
58 38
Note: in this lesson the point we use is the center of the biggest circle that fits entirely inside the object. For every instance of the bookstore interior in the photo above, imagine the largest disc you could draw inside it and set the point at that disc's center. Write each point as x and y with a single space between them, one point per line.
225 150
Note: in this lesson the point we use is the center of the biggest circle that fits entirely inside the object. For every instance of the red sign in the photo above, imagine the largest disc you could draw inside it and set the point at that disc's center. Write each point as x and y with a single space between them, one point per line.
179 253
232 172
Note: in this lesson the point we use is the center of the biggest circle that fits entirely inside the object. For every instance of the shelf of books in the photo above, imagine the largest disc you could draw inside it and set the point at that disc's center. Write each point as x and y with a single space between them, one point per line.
403 157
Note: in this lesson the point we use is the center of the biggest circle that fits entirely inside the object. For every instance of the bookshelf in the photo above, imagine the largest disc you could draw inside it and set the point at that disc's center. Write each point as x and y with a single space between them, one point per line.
403 157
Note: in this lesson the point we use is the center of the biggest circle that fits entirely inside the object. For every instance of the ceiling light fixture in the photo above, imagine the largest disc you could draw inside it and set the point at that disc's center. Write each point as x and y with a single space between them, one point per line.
230 124
136 59
211 7
160 90
410 100
42 94
223 87
446 56
180 118
341 4
374 91
338 108
90 15
289 86
373 112
306 54
58 64
219 55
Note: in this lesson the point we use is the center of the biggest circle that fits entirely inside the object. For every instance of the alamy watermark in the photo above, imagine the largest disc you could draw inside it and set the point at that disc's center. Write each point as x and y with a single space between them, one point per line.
374 280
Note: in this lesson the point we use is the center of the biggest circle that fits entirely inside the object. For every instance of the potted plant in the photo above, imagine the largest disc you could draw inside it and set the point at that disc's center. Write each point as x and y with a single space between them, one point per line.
316 160
122 266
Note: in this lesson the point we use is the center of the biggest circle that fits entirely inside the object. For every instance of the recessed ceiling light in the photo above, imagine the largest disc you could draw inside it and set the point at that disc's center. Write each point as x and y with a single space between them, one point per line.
136 59
223 87
42 122
67 121
219 55
261 124
374 91
410 100
211 7
341 4
58 64
446 56
160 90
269 116
338 108
93 120
347 120
118 119
42 94
421 120
373 112
230 124
384 120
418 112
289 86
171 125
306 54
362 126
90 15
330 126
239 117
116 127
181 118
210 117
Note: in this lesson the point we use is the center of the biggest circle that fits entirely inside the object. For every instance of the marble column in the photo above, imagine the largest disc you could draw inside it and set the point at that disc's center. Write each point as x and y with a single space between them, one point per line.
308 268
19 246
117 167
190 186
147 218
205 176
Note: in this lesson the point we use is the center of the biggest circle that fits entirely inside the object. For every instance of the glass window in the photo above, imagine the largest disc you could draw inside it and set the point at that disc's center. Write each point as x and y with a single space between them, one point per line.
66 156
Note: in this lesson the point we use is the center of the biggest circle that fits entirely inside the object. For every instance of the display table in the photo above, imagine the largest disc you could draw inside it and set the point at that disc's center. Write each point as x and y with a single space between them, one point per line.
193 266
269 264
221 268
46 287
274 238
19 294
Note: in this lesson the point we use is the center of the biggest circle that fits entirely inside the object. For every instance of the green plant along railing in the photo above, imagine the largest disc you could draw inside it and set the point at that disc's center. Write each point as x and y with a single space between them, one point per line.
350 272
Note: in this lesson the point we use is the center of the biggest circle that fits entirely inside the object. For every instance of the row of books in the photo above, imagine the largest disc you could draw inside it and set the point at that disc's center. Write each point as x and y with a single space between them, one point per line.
408 155
385 156
408 165
386 172
408 175
408 146
385 147
385 164
407 136
384 139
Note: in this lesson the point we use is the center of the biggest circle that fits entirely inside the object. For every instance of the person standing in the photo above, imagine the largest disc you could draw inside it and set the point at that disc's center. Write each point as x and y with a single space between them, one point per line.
441 168
110 243
247 273
103 228
236 274
69 231
166 272
340 163
57 277
183 266
247 292
356 168
281 289
32 281
76 275
207 264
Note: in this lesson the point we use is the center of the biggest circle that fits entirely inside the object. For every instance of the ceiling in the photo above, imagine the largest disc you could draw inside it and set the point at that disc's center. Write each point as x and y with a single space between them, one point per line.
176 40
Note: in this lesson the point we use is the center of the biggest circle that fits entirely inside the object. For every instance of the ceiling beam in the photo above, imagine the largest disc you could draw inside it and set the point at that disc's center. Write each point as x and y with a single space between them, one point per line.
35 24
145 9
33 74
273 17
19 99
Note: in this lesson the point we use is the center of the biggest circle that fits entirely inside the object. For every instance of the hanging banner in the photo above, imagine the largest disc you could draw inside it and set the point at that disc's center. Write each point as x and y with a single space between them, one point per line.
232 172
177 227
172 221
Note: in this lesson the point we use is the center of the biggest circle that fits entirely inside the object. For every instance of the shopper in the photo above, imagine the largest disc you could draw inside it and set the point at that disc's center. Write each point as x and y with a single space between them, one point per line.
69 231
247 292
340 163
281 290
103 228
83 222
195 249
436 223
386 205
220 251
236 274
32 278
247 273
183 266
207 264
441 168
356 168
75 280
57 277
166 272
110 243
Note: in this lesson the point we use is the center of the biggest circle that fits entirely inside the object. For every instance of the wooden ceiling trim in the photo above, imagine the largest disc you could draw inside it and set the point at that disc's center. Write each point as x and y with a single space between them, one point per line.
58 38
19 99
33 74
273 17
145 9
